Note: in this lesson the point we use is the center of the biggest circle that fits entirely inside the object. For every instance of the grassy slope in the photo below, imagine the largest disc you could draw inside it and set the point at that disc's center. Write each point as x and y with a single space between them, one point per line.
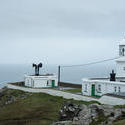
37 109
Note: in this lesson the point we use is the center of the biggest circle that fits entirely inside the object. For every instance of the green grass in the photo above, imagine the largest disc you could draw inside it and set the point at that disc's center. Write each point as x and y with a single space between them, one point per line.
36 109
121 122
119 106
78 90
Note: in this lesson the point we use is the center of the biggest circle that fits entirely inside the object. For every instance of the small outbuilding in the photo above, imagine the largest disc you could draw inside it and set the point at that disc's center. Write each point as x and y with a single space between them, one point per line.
40 81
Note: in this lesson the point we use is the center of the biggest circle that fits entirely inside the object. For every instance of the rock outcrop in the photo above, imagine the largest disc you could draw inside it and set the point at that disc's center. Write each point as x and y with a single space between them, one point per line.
73 114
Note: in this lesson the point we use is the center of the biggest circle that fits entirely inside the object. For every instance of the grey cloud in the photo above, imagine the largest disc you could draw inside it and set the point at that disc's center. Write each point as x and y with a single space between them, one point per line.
55 29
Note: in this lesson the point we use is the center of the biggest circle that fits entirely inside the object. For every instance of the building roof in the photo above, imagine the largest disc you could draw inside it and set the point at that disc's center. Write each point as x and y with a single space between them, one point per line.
121 59
103 81
44 75
41 76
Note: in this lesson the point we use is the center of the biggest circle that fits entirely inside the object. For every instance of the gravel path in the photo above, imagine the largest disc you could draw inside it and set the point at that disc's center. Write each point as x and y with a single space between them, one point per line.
54 93
103 100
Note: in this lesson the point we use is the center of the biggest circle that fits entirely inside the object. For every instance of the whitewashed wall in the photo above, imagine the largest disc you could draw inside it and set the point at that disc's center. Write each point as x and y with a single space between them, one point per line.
40 81
88 91
106 87
120 68
28 81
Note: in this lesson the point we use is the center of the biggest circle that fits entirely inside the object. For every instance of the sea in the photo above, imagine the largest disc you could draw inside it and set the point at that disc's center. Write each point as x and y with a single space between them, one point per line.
15 72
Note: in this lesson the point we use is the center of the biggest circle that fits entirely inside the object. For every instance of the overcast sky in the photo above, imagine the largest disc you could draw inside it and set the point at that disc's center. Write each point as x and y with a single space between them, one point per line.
60 31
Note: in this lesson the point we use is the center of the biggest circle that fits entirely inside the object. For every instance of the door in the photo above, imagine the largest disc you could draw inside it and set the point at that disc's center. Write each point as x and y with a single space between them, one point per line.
93 90
53 83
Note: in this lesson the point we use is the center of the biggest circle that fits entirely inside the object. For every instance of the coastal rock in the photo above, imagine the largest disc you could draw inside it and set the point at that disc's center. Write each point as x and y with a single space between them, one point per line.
93 113
108 110
10 99
68 111
88 114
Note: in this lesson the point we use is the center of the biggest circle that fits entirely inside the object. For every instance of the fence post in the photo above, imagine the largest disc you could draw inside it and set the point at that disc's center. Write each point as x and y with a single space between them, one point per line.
59 75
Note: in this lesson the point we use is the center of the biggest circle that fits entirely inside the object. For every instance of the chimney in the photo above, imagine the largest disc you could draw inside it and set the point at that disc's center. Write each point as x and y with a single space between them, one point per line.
112 76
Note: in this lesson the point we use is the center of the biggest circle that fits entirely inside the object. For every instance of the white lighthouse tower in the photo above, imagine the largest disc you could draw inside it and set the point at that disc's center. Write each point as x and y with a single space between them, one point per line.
120 62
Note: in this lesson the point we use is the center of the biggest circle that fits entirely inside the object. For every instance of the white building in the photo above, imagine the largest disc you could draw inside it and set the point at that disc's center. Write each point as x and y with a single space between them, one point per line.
100 86
121 61
41 81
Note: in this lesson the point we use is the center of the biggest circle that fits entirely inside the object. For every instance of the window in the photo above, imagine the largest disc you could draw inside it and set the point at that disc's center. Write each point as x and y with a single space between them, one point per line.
47 82
119 89
115 89
122 51
32 82
27 80
99 88
85 87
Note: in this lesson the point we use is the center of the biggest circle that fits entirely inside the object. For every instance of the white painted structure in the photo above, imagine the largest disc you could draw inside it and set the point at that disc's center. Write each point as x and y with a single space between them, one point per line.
99 87
120 68
42 81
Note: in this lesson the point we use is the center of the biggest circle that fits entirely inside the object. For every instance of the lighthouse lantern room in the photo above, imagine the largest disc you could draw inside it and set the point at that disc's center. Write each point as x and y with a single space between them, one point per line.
120 62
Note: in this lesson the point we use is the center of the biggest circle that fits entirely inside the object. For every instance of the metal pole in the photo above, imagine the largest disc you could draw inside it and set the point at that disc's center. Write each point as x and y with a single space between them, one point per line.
59 75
